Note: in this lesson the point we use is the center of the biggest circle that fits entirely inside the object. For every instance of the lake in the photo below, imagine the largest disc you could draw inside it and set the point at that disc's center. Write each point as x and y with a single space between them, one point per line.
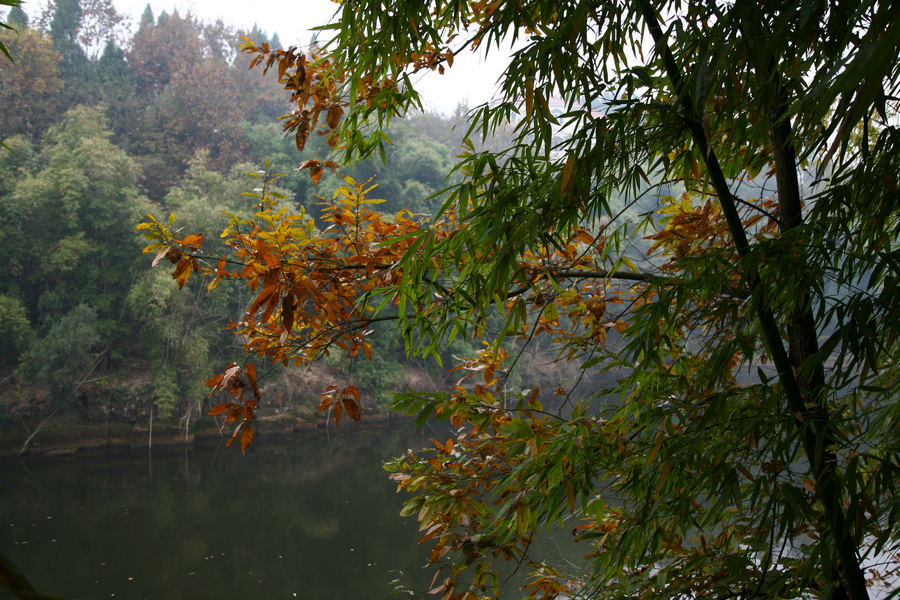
307 516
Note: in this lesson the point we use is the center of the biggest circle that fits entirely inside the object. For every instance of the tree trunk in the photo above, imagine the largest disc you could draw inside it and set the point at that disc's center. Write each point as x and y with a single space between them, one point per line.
804 398
803 344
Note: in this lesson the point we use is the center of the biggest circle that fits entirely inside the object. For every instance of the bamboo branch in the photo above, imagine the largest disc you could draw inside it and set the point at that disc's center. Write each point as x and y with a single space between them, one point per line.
812 433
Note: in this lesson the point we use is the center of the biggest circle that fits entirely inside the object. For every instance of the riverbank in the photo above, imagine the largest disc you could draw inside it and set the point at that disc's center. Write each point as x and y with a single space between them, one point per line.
64 436
115 413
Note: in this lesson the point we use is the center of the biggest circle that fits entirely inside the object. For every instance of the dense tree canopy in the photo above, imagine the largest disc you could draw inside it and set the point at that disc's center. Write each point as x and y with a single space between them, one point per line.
79 262
712 220
167 119
29 86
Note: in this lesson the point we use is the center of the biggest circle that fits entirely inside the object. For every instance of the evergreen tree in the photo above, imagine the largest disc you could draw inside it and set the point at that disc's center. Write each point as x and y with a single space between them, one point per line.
147 19
65 22
74 67
117 91
17 18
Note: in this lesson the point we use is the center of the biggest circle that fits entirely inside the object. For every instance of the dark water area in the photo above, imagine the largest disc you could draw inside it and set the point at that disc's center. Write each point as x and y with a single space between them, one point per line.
310 516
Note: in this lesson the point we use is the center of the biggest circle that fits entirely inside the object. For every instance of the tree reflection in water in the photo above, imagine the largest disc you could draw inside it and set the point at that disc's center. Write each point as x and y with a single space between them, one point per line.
311 515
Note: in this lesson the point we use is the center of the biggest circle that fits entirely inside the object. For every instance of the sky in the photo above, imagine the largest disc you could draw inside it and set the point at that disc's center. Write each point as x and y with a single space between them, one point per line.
471 79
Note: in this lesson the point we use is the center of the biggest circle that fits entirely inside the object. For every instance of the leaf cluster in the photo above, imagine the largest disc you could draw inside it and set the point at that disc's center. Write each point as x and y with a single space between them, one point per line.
748 447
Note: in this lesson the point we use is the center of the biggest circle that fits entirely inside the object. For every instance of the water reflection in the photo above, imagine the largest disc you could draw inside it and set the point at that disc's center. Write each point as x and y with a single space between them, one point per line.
298 517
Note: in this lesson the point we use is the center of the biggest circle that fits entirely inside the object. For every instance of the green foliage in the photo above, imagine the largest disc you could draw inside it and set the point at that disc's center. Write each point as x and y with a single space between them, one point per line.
66 21
16 17
74 67
749 445
84 255
16 333
166 393
413 171
383 375
94 120
17 161
64 357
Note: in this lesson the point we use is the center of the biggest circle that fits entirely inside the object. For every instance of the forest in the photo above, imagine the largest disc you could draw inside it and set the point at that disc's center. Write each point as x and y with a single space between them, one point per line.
103 124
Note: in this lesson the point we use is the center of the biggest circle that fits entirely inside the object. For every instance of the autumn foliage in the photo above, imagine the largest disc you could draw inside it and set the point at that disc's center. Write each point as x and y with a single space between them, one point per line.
747 444
312 288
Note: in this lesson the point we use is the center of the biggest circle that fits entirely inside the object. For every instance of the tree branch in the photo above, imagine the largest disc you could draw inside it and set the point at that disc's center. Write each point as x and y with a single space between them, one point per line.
812 433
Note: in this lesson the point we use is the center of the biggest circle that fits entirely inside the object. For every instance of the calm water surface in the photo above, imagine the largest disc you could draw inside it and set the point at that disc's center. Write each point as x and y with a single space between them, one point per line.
309 517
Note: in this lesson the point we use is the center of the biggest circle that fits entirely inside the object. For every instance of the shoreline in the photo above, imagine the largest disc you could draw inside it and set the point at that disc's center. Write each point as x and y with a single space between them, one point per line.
91 438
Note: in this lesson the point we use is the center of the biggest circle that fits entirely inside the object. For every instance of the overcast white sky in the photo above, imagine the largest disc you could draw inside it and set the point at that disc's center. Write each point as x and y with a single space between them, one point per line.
471 79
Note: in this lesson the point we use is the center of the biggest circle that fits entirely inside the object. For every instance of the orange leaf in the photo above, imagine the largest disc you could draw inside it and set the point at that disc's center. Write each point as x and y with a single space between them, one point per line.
337 413
584 237
264 297
352 408
246 438
334 117
273 302
444 448
182 272
315 169
220 408
300 137
272 261
195 240
234 435
214 382
250 370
